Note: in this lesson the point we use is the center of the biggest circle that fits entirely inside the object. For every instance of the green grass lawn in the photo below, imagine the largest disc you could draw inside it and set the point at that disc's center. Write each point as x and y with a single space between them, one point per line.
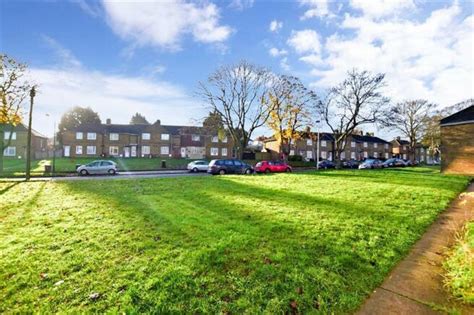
308 242
460 267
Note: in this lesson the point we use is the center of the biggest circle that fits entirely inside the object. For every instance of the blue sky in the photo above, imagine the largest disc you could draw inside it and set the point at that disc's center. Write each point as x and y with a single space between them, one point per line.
120 58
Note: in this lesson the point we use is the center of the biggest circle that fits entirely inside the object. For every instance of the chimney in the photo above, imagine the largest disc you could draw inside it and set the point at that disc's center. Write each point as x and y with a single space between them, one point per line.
158 122
108 121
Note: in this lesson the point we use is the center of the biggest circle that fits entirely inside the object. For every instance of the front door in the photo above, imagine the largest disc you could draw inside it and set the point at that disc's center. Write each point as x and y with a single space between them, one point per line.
126 152
67 150
183 152
134 151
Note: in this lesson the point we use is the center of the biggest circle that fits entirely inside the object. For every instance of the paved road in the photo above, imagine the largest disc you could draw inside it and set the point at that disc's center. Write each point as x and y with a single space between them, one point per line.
121 175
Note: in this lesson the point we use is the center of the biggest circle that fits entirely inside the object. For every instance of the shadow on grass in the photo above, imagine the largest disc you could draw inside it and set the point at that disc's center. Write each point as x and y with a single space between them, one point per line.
337 250
6 189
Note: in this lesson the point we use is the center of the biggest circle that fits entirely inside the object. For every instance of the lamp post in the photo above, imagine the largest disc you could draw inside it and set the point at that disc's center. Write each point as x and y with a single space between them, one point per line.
28 144
317 144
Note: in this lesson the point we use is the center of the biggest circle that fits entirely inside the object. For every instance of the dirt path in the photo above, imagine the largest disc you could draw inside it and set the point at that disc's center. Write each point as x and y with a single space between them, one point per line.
415 285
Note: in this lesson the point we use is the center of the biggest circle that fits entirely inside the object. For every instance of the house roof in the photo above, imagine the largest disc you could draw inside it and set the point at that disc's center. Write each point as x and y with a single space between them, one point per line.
465 116
22 127
366 138
134 129
401 141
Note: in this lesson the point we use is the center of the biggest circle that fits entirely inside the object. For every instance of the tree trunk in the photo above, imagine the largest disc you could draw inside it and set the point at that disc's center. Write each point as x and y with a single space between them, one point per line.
1 162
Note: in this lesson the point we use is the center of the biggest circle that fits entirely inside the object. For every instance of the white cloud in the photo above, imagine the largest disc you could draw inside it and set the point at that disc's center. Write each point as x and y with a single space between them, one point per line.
284 64
165 23
65 56
381 8
312 59
316 8
113 96
275 26
89 7
430 58
305 41
241 4
275 52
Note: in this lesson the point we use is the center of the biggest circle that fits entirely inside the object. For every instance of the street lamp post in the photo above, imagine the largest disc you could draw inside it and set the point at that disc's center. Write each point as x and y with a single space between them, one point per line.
28 144
317 145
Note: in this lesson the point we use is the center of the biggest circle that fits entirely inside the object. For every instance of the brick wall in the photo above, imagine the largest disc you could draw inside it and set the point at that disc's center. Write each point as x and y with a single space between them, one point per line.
457 149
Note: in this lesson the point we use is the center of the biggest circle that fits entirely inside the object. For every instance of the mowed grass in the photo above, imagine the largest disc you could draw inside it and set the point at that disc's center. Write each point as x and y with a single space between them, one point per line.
309 242
460 266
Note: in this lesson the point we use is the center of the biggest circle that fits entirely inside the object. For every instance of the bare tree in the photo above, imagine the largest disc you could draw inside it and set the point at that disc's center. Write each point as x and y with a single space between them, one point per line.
289 103
354 102
235 92
411 119
13 91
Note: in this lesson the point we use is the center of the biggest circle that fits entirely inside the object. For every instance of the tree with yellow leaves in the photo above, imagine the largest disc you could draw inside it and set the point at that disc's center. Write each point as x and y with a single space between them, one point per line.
13 91
289 103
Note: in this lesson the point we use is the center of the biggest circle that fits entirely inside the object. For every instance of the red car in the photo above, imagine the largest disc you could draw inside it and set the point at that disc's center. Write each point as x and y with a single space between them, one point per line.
272 167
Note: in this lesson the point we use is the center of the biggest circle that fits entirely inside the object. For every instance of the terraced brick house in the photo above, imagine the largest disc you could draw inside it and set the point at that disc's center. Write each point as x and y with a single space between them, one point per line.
144 140
358 147
457 142
401 149
18 143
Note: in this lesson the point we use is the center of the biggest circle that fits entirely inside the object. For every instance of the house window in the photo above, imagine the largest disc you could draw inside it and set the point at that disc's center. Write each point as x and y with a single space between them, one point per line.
79 135
386 145
323 154
114 150
386 155
165 150
224 140
309 154
323 143
195 137
145 136
365 145
145 149
224 151
78 149
214 151
422 150
7 135
9 151
343 155
292 152
376 154
422 158
353 155
91 136
114 137
353 144
309 142
215 139
375 145
165 136
366 155
404 156
91 149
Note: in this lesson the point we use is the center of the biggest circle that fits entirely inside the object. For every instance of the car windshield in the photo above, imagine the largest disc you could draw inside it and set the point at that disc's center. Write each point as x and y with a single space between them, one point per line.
93 164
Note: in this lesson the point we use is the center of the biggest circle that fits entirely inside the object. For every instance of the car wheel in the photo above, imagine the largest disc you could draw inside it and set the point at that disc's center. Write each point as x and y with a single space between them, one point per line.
288 170
267 171
111 172
84 172
248 171
195 170
221 172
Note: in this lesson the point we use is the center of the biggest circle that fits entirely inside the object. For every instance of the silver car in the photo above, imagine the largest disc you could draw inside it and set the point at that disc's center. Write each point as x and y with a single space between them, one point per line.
98 167
198 166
